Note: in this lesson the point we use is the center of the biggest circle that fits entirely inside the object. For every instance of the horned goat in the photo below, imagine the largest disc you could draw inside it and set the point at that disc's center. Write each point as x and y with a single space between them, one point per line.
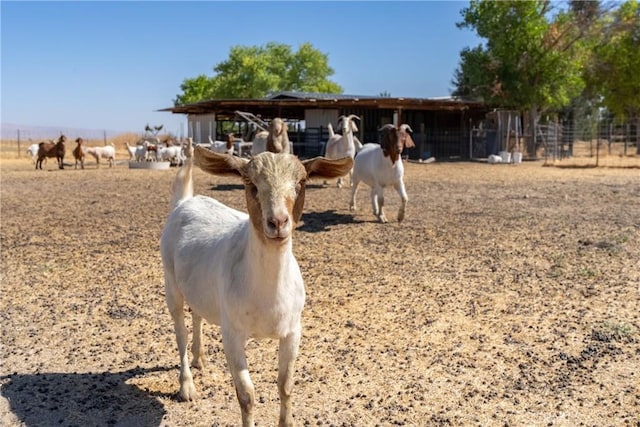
345 145
238 270
380 165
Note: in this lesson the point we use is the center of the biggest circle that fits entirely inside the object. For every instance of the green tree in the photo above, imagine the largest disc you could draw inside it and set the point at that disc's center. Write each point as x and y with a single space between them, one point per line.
532 59
614 70
256 71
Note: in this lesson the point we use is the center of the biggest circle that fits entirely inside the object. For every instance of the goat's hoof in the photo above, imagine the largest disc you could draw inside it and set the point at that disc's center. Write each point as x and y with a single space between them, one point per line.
187 392
383 219
400 216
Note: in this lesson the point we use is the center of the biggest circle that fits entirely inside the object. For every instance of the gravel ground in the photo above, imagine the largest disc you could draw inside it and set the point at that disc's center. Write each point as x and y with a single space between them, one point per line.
510 295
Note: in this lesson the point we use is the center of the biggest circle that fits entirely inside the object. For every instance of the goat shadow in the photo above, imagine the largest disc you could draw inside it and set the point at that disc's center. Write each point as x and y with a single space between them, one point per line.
315 222
227 187
88 399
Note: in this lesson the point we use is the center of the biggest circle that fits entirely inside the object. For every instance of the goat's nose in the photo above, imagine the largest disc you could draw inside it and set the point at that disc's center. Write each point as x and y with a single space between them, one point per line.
276 223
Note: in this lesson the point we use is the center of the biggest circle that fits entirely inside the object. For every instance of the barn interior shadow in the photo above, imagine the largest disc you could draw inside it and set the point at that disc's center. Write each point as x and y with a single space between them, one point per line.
87 399
314 222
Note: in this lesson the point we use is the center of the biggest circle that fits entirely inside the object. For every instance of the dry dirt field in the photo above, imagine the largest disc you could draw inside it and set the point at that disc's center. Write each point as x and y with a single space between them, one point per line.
510 295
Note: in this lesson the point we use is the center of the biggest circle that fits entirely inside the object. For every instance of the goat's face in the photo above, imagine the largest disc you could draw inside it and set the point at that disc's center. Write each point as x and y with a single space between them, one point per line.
347 124
274 186
277 126
391 143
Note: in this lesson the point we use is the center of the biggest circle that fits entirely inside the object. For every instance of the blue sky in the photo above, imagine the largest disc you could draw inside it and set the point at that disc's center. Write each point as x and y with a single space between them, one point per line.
111 65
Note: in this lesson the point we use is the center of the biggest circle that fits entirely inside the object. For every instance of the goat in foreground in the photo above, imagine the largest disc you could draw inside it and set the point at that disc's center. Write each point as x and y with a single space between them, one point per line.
380 165
238 270
52 149
345 145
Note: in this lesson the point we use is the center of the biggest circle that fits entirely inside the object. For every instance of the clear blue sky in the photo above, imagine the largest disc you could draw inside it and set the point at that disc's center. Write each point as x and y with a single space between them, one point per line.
111 65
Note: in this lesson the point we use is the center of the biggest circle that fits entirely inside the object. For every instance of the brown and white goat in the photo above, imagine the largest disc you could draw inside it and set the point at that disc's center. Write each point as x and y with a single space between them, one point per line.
51 149
78 154
380 165
278 137
237 270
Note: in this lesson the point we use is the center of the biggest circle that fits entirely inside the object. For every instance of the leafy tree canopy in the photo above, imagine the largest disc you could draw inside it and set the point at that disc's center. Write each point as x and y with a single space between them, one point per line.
256 71
614 69
531 59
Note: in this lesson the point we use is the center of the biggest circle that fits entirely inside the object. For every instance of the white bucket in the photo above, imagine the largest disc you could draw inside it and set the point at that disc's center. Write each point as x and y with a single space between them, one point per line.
506 156
517 157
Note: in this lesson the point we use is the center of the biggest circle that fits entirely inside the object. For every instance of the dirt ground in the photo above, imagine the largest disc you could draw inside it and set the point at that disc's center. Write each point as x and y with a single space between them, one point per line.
510 295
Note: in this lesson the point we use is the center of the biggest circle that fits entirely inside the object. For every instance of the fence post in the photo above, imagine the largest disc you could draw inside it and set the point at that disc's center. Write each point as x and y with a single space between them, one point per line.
19 150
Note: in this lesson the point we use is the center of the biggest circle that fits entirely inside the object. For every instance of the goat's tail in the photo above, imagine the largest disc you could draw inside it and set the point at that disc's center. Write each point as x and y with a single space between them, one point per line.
183 184
331 132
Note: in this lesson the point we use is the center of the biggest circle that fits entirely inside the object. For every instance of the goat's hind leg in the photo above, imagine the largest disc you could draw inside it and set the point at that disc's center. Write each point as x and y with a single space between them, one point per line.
404 199
175 303
198 360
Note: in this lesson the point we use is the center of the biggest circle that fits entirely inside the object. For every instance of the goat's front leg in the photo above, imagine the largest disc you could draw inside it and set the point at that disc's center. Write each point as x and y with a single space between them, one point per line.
288 351
404 199
233 342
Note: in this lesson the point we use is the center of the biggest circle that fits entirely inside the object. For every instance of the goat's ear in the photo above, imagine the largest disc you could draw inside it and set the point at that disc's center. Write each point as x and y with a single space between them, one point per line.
218 163
327 168
408 141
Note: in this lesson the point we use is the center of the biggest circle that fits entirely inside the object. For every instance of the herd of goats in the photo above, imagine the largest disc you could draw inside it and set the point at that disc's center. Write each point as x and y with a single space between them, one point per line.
237 269
377 164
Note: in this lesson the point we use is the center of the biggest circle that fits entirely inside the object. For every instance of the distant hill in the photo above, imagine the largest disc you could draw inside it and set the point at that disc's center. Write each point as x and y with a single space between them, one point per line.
28 132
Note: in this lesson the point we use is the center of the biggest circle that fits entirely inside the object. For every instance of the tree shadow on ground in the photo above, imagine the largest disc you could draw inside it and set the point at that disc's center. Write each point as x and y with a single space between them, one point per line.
87 399
314 222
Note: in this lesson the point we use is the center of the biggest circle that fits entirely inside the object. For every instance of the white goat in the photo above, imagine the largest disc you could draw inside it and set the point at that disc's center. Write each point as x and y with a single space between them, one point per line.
345 145
32 152
222 146
105 152
173 154
238 270
259 143
380 165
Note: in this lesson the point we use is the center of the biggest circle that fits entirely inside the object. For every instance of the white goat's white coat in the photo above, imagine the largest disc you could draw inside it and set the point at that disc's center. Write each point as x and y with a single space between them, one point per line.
238 270
172 154
218 146
379 166
259 143
345 145
105 152
32 152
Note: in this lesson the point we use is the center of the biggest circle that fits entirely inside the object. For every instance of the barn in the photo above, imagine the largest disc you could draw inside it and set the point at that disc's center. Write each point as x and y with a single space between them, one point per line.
442 126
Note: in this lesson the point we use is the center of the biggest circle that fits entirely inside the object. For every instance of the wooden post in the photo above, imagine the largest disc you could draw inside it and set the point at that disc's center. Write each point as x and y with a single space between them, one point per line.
19 150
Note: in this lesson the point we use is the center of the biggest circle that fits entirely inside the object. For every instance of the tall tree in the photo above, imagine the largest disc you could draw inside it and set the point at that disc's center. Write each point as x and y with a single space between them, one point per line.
532 58
256 71
614 70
